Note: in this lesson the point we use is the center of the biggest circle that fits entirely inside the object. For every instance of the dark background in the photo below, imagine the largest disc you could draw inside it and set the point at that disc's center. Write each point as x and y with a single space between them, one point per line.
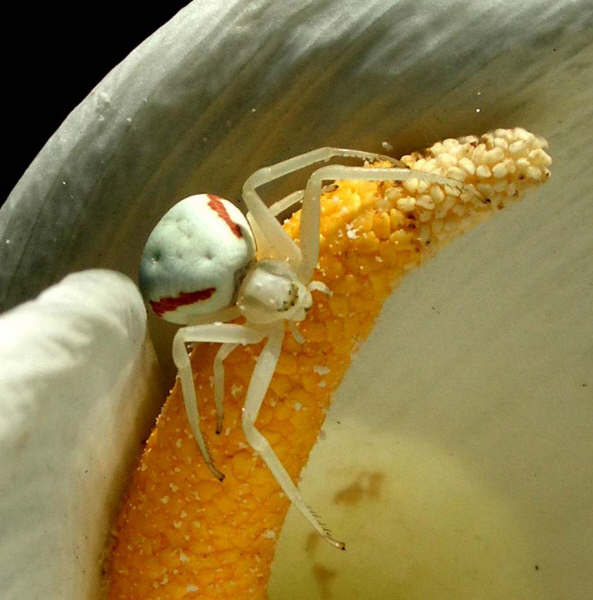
54 55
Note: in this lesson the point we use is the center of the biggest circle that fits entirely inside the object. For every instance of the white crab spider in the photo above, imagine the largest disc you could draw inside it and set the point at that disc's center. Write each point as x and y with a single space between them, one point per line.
199 269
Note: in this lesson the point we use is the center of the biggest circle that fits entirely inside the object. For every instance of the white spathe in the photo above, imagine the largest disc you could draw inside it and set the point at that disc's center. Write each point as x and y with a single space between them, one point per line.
78 386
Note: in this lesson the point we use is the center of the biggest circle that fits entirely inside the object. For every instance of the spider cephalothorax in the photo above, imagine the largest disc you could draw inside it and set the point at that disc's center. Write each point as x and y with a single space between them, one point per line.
271 292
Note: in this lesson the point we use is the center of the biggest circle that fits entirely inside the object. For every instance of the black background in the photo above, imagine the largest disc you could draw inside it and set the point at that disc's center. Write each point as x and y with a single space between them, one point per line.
54 55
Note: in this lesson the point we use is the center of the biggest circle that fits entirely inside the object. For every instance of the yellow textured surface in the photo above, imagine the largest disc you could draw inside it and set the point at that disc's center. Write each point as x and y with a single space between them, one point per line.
183 534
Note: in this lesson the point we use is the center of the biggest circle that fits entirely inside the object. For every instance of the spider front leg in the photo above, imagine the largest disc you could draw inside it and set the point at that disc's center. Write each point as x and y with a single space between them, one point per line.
227 334
311 213
258 386
271 237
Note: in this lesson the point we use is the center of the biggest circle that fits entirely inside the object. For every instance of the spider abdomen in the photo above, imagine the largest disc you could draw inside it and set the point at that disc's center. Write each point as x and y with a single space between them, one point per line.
195 258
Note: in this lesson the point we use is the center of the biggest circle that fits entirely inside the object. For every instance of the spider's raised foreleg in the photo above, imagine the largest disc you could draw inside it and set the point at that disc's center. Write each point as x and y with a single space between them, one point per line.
287 202
272 238
227 334
310 216
258 386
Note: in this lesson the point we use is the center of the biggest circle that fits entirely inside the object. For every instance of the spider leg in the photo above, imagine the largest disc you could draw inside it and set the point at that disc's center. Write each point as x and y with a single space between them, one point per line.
310 216
222 315
276 208
287 202
224 333
222 353
258 386
271 237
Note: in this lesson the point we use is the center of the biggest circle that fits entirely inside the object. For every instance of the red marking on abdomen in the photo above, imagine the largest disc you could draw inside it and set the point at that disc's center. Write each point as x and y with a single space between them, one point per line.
218 207
160 307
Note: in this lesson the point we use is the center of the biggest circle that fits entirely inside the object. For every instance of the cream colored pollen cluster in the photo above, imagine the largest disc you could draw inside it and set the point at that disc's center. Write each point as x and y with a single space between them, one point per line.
493 170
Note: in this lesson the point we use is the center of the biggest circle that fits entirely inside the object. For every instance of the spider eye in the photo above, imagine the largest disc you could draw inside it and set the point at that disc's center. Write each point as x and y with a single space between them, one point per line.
289 300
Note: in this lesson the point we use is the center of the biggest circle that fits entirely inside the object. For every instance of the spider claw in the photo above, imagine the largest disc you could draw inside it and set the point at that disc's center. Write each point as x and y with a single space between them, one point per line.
327 534
218 474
